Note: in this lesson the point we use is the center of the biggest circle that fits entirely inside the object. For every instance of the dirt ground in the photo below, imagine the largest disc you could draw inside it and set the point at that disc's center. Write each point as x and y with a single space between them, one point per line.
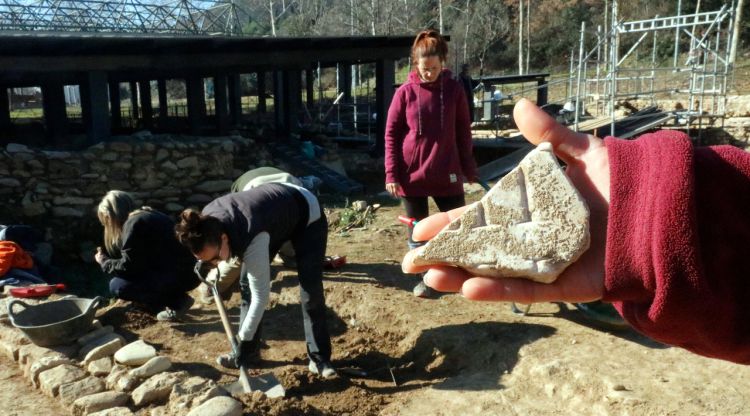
445 356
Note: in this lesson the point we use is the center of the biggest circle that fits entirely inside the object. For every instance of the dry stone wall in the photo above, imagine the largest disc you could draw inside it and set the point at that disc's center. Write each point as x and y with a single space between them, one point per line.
58 191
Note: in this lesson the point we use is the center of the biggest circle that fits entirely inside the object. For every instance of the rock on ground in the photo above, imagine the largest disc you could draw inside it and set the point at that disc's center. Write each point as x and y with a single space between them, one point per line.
156 389
134 354
98 401
218 406
70 392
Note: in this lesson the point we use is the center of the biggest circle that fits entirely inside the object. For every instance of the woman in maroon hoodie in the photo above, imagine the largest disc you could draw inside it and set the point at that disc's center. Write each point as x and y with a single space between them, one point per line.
428 147
669 237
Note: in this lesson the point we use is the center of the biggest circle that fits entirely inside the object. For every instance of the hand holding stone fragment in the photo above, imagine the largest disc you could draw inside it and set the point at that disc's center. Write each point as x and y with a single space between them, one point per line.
588 171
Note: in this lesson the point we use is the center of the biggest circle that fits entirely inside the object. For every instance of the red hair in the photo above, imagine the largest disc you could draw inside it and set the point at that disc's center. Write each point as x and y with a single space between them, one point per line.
429 43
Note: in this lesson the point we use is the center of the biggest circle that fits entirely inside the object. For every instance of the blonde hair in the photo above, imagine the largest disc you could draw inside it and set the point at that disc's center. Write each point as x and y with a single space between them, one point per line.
113 211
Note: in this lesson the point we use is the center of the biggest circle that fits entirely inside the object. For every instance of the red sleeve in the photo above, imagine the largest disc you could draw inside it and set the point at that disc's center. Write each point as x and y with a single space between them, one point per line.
678 243
463 135
395 130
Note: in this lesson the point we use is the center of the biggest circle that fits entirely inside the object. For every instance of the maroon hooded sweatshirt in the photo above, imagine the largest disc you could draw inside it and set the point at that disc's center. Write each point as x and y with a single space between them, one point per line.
678 242
428 147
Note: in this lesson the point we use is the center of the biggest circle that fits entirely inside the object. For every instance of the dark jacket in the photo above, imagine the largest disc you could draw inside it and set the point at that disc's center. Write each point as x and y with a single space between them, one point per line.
277 209
150 248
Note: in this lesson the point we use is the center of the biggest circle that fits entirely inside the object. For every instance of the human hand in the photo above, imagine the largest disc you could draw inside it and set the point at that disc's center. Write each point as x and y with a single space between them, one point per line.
393 188
583 281
100 257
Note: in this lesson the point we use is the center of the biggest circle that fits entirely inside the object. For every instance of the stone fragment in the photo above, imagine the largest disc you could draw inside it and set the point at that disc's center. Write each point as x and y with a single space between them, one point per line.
218 406
99 342
51 380
9 182
156 389
44 364
70 392
127 383
98 401
100 367
96 333
114 375
10 333
105 350
30 353
192 392
532 224
153 366
9 349
17 148
189 162
115 411
359 206
134 354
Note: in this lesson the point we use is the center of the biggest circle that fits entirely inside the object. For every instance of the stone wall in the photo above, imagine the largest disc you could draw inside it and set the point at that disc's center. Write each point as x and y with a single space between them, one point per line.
58 192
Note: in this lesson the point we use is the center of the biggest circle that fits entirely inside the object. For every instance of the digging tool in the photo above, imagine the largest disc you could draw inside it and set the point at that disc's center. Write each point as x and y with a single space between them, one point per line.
267 383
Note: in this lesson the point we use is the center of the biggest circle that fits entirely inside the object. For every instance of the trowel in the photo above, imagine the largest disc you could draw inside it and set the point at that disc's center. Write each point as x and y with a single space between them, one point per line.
266 383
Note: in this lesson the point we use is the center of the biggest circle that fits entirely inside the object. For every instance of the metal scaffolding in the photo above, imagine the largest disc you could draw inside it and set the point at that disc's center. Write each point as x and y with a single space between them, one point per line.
183 17
601 77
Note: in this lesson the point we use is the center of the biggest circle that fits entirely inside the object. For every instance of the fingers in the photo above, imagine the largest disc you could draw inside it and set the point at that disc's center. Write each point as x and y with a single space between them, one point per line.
537 126
446 279
430 226
521 291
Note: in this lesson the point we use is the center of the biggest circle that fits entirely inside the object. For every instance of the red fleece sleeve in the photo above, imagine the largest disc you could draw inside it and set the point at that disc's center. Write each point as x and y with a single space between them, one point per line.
678 242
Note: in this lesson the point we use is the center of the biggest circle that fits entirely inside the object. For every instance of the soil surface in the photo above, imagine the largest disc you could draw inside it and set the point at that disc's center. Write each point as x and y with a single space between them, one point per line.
403 355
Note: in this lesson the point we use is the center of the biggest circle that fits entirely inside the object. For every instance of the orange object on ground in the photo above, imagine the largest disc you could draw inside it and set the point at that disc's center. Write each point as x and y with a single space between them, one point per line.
12 255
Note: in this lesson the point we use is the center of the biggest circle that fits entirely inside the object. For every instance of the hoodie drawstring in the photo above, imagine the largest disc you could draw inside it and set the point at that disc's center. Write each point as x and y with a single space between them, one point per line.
419 108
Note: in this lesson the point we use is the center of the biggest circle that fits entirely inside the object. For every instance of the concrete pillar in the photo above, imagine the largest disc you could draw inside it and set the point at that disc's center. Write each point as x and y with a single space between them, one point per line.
261 92
541 92
310 87
220 101
4 110
147 110
161 85
280 109
94 106
114 105
55 118
234 84
345 81
135 114
196 103
385 77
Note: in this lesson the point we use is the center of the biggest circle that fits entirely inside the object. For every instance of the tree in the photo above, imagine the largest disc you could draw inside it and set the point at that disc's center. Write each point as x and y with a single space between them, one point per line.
491 23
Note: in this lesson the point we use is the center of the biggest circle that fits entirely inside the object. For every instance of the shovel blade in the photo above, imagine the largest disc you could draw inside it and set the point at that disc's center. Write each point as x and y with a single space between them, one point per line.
267 384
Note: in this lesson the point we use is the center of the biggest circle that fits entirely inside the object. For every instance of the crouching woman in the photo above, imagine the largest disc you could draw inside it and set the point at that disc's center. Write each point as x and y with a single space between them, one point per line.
253 225
149 266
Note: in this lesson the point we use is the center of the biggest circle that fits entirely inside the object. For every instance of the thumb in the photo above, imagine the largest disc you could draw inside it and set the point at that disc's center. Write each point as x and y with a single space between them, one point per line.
537 127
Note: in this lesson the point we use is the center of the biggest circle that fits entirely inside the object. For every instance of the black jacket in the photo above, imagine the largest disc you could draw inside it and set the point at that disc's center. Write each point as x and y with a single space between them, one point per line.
277 209
149 248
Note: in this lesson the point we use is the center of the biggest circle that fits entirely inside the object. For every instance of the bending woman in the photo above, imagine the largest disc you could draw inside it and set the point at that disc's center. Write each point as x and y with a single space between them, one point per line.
148 264
253 225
